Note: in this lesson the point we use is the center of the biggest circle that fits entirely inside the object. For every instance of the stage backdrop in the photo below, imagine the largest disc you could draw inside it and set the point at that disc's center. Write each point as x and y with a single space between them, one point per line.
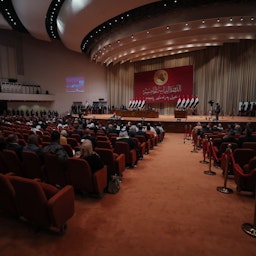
164 85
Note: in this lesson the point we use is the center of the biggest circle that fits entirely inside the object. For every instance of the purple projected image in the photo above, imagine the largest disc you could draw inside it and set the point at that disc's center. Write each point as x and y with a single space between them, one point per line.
75 84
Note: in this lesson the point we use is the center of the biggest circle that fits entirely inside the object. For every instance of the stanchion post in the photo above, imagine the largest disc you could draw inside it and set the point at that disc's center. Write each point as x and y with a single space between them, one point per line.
204 150
185 133
249 228
194 137
224 189
190 132
210 172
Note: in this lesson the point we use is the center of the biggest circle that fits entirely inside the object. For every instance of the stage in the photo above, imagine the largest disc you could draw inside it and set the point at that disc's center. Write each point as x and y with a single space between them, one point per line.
177 125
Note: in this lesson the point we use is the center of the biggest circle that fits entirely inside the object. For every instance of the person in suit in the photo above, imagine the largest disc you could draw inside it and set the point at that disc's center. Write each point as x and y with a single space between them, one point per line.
217 111
56 148
33 145
12 144
88 136
248 110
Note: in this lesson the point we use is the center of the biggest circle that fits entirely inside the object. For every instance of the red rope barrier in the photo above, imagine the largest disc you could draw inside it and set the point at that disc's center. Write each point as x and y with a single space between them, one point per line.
237 167
215 155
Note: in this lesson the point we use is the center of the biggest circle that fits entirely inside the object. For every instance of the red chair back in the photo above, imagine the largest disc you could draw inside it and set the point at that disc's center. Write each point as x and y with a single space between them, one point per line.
54 170
32 167
81 177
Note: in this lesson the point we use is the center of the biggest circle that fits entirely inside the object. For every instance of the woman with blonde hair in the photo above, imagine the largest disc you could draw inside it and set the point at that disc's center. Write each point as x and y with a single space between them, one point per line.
93 159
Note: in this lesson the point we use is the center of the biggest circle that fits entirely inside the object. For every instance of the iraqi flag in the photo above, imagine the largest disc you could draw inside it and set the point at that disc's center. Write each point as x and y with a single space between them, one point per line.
187 102
136 104
183 101
178 102
130 103
139 103
143 103
133 103
192 101
196 102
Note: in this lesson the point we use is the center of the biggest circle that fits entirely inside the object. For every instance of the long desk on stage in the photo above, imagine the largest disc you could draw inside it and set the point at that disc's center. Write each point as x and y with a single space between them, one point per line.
180 114
137 113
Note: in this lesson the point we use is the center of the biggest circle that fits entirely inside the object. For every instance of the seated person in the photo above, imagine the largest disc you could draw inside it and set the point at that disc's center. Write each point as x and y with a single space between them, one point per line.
12 144
34 146
63 137
141 132
77 129
93 159
87 136
55 147
230 137
247 138
124 137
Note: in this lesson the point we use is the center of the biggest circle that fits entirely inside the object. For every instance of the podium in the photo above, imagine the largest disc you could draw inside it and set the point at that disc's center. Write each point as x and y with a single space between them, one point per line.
180 114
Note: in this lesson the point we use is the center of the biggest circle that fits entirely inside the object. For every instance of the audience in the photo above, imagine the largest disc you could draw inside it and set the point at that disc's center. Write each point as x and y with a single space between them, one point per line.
55 147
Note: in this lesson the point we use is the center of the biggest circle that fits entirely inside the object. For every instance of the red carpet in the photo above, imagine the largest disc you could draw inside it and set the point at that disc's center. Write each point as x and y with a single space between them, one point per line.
166 206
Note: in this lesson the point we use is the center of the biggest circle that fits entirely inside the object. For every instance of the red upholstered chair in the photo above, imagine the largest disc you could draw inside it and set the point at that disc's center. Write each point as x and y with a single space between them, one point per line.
104 144
3 166
12 162
54 170
251 145
102 138
100 132
72 142
113 140
245 181
224 145
32 167
242 156
46 138
251 165
141 146
142 139
115 163
22 142
130 155
76 136
42 204
81 177
7 196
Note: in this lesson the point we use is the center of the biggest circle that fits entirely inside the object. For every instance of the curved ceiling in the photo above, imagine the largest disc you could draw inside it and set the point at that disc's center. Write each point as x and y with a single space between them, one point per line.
110 32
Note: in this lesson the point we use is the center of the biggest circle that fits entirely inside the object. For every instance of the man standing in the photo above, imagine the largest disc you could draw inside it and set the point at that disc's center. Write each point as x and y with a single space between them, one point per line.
217 111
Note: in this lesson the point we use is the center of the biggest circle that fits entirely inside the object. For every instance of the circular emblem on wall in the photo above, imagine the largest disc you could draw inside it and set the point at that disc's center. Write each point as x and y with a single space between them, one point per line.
160 77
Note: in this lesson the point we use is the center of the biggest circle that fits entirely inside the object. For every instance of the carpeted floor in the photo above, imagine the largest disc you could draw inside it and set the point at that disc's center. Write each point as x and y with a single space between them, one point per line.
166 206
